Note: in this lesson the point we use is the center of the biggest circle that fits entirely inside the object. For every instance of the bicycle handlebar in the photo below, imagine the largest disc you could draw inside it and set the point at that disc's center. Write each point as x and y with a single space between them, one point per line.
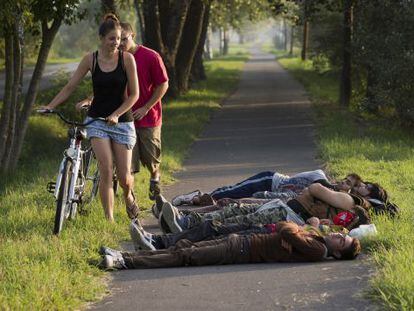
61 116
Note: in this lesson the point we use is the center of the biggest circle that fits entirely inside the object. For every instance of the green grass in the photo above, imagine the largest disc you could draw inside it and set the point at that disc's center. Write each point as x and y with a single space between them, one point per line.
42 272
380 152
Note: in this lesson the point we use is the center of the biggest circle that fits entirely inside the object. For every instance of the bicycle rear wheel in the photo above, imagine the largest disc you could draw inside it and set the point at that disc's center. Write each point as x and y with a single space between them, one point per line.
62 204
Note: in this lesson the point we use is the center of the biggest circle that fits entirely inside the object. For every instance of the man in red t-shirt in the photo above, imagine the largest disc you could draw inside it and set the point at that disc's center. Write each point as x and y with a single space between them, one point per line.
147 111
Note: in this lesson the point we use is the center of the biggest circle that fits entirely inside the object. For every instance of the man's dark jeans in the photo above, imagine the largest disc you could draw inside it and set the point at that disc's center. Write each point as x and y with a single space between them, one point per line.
232 249
208 230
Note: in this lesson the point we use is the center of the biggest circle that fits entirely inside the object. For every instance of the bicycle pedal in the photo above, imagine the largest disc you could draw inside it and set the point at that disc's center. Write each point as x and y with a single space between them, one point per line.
51 186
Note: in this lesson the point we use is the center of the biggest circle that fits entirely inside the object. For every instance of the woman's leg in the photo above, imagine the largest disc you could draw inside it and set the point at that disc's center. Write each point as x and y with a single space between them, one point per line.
123 158
103 151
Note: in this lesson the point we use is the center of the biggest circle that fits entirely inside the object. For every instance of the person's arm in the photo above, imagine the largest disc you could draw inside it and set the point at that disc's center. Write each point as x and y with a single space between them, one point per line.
131 72
336 199
157 95
68 89
304 243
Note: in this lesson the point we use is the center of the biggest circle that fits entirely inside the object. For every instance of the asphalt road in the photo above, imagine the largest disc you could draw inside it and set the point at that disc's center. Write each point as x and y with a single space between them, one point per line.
48 74
265 125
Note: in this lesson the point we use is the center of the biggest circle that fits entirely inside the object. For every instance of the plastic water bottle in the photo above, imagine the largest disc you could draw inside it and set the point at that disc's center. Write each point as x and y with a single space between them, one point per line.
363 231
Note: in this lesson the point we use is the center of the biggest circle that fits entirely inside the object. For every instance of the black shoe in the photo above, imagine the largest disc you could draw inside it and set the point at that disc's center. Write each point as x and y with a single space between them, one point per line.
154 189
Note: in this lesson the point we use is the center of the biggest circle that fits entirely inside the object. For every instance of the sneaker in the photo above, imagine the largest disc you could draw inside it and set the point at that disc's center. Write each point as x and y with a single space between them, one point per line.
110 262
157 206
154 189
173 217
185 198
141 239
109 251
163 225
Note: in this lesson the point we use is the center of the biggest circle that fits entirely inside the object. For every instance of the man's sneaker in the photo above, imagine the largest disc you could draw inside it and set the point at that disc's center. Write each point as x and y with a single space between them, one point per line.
185 198
110 262
157 206
173 217
109 251
163 225
154 189
141 239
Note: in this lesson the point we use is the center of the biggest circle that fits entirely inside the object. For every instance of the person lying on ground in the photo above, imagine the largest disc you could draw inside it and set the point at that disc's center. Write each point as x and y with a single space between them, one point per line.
290 244
277 183
214 229
316 200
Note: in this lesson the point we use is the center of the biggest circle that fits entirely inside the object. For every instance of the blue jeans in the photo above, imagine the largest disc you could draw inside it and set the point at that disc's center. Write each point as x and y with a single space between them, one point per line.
245 188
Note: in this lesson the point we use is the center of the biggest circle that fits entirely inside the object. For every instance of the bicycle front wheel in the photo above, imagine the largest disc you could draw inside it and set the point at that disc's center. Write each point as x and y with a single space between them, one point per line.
62 203
92 177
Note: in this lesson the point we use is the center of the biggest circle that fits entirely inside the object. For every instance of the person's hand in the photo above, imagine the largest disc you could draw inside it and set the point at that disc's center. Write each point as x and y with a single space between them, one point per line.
286 245
112 119
82 104
140 113
313 221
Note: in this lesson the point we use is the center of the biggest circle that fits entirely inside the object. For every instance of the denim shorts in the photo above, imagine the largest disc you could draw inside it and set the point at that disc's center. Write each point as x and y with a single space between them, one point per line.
122 133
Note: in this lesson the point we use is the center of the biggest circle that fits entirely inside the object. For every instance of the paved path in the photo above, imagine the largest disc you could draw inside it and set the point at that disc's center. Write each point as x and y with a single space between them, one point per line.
265 125
48 74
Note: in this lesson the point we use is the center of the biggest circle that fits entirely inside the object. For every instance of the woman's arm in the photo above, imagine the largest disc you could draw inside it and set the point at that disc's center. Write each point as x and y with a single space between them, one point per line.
336 199
131 71
68 89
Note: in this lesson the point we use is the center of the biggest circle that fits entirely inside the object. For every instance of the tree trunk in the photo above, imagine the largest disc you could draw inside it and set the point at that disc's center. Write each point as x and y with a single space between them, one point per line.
9 76
141 26
225 41
346 81
292 32
108 6
197 68
166 39
285 35
220 34
208 53
48 35
16 90
189 43
305 40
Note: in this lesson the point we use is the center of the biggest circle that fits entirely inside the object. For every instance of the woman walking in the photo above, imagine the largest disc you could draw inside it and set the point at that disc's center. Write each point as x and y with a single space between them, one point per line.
113 72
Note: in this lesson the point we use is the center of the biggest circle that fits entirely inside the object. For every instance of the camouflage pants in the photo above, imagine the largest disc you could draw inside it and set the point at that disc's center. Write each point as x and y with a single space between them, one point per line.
241 213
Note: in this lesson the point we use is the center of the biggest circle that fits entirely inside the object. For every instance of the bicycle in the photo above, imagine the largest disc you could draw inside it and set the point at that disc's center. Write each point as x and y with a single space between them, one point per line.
77 167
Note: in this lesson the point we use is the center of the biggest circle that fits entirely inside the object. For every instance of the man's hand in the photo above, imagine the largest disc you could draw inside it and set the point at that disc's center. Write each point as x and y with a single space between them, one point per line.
140 113
286 246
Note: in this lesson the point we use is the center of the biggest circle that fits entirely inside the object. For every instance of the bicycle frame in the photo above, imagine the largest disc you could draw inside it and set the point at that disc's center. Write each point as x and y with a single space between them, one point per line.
74 154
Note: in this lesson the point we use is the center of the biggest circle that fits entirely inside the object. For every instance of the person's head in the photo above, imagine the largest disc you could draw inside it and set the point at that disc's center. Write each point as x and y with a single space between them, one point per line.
110 32
350 181
371 190
342 246
127 37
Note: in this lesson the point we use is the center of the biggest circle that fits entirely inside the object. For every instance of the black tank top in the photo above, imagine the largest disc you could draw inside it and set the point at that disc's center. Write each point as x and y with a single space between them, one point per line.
108 90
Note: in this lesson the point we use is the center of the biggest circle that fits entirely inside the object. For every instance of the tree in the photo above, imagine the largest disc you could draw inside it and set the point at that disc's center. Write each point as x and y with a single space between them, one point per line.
346 75
18 17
